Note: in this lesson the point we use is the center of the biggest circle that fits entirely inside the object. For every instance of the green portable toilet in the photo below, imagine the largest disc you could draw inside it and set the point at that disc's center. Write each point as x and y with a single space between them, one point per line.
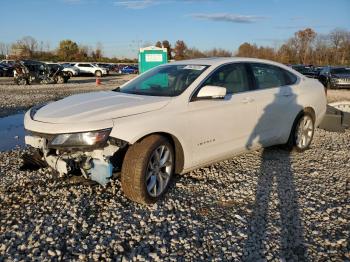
150 57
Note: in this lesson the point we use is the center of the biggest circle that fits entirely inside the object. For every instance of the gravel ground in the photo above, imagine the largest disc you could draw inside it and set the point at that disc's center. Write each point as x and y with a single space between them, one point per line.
14 98
267 204
334 95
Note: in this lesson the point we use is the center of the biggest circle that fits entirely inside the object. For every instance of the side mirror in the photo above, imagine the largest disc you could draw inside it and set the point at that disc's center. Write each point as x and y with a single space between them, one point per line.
211 92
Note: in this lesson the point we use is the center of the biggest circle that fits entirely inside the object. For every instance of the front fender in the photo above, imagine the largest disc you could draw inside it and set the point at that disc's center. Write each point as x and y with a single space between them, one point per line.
134 128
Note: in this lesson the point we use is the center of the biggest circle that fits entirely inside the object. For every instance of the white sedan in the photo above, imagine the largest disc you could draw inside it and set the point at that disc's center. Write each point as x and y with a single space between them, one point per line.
175 118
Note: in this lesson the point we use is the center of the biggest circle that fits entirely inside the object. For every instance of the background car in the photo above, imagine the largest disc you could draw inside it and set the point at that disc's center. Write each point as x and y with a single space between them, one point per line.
129 70
307 70
106 66
88 68
71 70
6 70
335 77
8 62
31 71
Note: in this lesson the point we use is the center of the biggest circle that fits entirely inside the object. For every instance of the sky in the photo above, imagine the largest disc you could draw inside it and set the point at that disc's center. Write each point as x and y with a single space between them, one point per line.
122 26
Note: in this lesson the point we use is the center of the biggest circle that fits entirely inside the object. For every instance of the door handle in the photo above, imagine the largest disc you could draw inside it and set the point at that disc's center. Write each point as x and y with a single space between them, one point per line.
247 100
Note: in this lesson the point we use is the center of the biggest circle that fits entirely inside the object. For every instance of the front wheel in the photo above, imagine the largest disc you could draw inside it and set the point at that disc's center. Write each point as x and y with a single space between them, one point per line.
302 132
60 79
147 169
21 81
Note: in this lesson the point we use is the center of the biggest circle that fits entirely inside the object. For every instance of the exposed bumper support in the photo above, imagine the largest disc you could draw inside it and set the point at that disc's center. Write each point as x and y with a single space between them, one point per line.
95 164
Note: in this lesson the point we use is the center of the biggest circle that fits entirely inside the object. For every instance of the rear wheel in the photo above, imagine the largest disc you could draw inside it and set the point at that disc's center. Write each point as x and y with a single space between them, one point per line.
147 169
302 132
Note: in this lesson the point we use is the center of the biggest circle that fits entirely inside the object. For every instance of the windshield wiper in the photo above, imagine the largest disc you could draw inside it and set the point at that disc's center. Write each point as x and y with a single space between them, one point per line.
116 89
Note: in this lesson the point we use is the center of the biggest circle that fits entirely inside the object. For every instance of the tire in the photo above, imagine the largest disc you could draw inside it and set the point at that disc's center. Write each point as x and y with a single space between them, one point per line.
70 74
59 79
98 73
299 134
21 81
141 161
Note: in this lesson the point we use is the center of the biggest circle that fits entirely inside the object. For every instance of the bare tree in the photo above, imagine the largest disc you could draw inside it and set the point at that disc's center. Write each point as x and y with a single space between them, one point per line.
304 39
180 50
159 44
218 52
340 39
4 49
167 45
194 53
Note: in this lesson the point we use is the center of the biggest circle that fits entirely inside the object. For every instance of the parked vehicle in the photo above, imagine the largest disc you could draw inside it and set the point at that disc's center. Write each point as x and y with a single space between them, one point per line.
175 118
6 70
29 71
88 68
129 70
335 77
71 70
8 62
106 66
308 71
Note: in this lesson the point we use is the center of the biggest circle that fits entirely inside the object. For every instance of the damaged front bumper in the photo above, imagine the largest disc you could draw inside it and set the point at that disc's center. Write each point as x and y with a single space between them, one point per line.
96 164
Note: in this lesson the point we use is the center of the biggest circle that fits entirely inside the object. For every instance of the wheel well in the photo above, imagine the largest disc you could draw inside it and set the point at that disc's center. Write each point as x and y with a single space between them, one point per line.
311 111
179 153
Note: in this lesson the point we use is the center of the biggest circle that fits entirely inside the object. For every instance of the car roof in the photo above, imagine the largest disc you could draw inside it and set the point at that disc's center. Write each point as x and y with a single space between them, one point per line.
335 67
214 61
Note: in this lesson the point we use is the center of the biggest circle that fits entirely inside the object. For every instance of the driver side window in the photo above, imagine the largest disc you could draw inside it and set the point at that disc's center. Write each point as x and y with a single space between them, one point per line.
233 77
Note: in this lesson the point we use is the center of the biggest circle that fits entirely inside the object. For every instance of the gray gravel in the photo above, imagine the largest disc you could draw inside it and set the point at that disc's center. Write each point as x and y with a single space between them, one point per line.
266 205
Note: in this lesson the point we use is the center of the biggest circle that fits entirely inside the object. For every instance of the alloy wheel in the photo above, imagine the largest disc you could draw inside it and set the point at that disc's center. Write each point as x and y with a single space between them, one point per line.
159 170
305 131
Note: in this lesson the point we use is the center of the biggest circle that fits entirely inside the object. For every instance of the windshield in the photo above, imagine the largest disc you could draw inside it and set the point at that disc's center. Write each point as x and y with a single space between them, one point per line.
343 70
168 80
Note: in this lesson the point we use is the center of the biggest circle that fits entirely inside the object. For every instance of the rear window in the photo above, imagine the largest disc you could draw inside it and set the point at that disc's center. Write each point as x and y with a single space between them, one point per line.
269 76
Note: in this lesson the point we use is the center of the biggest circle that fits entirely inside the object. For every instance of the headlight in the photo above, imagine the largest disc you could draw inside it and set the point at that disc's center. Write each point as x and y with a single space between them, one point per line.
93 138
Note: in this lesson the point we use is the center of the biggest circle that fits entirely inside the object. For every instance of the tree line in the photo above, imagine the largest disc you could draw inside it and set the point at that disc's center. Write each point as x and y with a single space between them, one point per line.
304 47
67 50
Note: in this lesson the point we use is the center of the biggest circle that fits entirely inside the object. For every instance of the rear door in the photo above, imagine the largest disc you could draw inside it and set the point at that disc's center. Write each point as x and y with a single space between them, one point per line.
276 103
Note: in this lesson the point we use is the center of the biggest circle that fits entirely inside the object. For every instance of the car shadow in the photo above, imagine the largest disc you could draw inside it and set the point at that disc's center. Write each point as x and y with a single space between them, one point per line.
275 178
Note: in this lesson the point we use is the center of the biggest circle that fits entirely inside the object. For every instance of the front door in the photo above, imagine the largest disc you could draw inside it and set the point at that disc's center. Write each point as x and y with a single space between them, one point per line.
221 127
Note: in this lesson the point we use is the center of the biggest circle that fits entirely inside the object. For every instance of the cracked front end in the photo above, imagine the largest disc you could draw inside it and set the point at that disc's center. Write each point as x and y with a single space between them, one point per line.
94 154
96 162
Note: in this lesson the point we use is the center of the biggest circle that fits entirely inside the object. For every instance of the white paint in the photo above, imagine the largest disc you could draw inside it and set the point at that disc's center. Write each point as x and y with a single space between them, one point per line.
208 130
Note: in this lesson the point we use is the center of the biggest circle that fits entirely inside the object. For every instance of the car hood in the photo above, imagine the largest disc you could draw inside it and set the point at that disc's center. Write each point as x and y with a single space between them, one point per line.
98 106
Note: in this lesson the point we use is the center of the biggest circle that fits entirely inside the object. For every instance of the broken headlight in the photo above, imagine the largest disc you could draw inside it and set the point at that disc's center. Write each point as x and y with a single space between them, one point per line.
92 138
